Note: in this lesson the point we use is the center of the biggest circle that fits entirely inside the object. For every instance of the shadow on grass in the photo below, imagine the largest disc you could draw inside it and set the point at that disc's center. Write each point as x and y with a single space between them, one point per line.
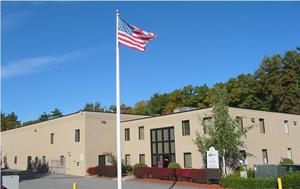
23 175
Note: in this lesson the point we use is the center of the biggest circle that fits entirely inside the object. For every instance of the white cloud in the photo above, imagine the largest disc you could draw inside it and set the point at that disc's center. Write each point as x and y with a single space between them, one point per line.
37 64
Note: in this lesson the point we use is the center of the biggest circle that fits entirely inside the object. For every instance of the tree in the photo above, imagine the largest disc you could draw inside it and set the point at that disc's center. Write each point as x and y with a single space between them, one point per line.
222 133
93 107
44 117
9 121
56 113
141 107
157 104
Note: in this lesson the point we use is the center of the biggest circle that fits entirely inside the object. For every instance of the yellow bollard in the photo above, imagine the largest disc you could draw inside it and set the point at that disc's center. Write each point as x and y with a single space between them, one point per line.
279 183
74 185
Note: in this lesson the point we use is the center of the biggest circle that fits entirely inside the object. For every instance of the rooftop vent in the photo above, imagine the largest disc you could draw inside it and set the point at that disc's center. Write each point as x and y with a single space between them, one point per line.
183 109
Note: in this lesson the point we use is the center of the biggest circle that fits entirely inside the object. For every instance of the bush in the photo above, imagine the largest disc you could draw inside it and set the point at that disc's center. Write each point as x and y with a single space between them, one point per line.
162 173
174 165
92 170
234 182
191 175
287 161
138 166
291 180
107 171
250 173
143 172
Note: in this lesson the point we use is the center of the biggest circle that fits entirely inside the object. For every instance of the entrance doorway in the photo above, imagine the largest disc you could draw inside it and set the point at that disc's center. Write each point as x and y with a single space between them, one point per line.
162 146
102 160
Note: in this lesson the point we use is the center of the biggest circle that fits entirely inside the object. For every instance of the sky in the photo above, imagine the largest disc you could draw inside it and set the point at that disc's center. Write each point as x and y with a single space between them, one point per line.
62 54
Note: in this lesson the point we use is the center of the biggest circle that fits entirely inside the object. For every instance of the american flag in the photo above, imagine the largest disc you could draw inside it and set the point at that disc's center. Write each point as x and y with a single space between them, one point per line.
133 37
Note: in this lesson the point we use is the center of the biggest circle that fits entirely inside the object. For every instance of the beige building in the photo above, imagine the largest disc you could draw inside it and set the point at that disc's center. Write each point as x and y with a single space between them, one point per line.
159 140
73 143
69 144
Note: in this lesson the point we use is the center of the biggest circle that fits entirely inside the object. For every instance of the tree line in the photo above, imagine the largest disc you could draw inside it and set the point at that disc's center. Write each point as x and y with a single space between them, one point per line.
274 86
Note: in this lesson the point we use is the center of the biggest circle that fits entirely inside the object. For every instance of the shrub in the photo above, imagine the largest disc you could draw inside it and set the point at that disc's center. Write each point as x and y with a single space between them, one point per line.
291 180
250 173
162 173
192 175
129 169
92 170
287 161
142 172
108 171
234 182
138 166
174 165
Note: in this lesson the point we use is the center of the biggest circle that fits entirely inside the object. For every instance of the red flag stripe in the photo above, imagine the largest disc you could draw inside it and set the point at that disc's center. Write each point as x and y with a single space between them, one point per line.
133 38
130 42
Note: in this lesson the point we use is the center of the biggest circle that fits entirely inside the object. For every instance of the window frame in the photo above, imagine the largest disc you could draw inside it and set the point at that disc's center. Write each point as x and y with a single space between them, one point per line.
140 136
262 120
127 157
286 127
186 124
51 138
140 158
206 121
185 159
77 135
266 154
127 134
240 124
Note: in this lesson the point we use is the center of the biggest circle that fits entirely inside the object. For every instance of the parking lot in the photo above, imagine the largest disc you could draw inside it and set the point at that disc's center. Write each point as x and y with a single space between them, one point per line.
59 181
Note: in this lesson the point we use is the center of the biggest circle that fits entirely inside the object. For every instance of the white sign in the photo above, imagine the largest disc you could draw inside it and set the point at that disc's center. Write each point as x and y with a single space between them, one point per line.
212 158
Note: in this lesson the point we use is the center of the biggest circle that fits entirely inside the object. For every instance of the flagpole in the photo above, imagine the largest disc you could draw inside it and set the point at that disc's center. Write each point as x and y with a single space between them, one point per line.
118 120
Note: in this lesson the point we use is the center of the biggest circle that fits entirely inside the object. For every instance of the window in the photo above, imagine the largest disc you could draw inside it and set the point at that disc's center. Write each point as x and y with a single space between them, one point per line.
206 122
262 125
186 127
265 156
239 121
16 160
187 160
253 120
127 159
290 154
52 138
142 158
286 126
295 123
77 135
141 132
44 159
162 146
243 157
127 134
62 160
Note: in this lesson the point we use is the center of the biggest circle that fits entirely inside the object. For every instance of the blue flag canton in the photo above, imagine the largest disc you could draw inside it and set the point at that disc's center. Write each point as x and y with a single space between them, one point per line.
125 27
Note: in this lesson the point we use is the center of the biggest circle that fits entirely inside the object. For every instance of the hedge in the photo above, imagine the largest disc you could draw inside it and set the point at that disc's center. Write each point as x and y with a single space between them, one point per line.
234 182
108 171
162 173
190 175
92 170
291 180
